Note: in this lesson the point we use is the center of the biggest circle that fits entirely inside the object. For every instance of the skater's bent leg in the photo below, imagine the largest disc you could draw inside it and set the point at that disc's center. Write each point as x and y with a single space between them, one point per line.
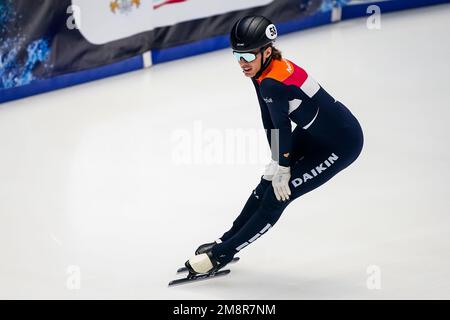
266 215
249 209
301 146
306 175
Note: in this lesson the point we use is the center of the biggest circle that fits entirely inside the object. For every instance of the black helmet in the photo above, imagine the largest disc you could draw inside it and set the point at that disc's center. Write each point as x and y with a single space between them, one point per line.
252 32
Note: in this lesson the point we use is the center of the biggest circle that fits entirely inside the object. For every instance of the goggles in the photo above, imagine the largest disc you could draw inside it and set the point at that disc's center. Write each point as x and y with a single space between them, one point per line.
247 56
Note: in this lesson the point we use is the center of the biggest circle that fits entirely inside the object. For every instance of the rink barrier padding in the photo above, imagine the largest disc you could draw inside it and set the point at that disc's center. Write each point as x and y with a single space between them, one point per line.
360 10
157 56
71 79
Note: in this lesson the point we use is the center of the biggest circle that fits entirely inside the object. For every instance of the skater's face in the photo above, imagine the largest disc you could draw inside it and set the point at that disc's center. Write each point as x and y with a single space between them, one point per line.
250 62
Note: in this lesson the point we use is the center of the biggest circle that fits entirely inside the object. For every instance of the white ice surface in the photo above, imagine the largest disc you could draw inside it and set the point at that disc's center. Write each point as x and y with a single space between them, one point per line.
87 177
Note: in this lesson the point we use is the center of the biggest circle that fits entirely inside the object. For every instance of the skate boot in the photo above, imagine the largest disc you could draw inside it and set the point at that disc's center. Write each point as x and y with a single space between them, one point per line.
201 267
203 263
205 247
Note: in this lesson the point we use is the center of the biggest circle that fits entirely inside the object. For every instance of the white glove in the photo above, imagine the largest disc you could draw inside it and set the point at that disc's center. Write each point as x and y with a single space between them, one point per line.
280 183
270 170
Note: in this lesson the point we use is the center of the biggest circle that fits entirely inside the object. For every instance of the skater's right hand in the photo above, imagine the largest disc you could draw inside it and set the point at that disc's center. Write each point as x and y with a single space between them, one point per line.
280 183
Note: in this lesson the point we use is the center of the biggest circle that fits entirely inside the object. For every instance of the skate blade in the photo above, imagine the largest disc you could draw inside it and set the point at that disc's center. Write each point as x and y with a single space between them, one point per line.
197 278
184 269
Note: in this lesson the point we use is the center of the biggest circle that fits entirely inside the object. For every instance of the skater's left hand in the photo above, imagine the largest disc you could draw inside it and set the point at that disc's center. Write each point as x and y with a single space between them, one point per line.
270 171
280 183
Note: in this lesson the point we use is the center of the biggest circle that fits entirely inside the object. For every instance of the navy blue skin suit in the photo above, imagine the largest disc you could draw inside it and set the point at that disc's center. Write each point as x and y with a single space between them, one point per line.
327 139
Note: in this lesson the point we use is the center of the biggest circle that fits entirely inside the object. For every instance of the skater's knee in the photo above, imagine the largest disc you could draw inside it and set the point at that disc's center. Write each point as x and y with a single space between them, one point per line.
271 208
270 200
261 188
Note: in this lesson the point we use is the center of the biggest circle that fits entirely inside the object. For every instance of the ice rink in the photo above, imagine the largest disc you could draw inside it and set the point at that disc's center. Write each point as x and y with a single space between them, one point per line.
93 203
